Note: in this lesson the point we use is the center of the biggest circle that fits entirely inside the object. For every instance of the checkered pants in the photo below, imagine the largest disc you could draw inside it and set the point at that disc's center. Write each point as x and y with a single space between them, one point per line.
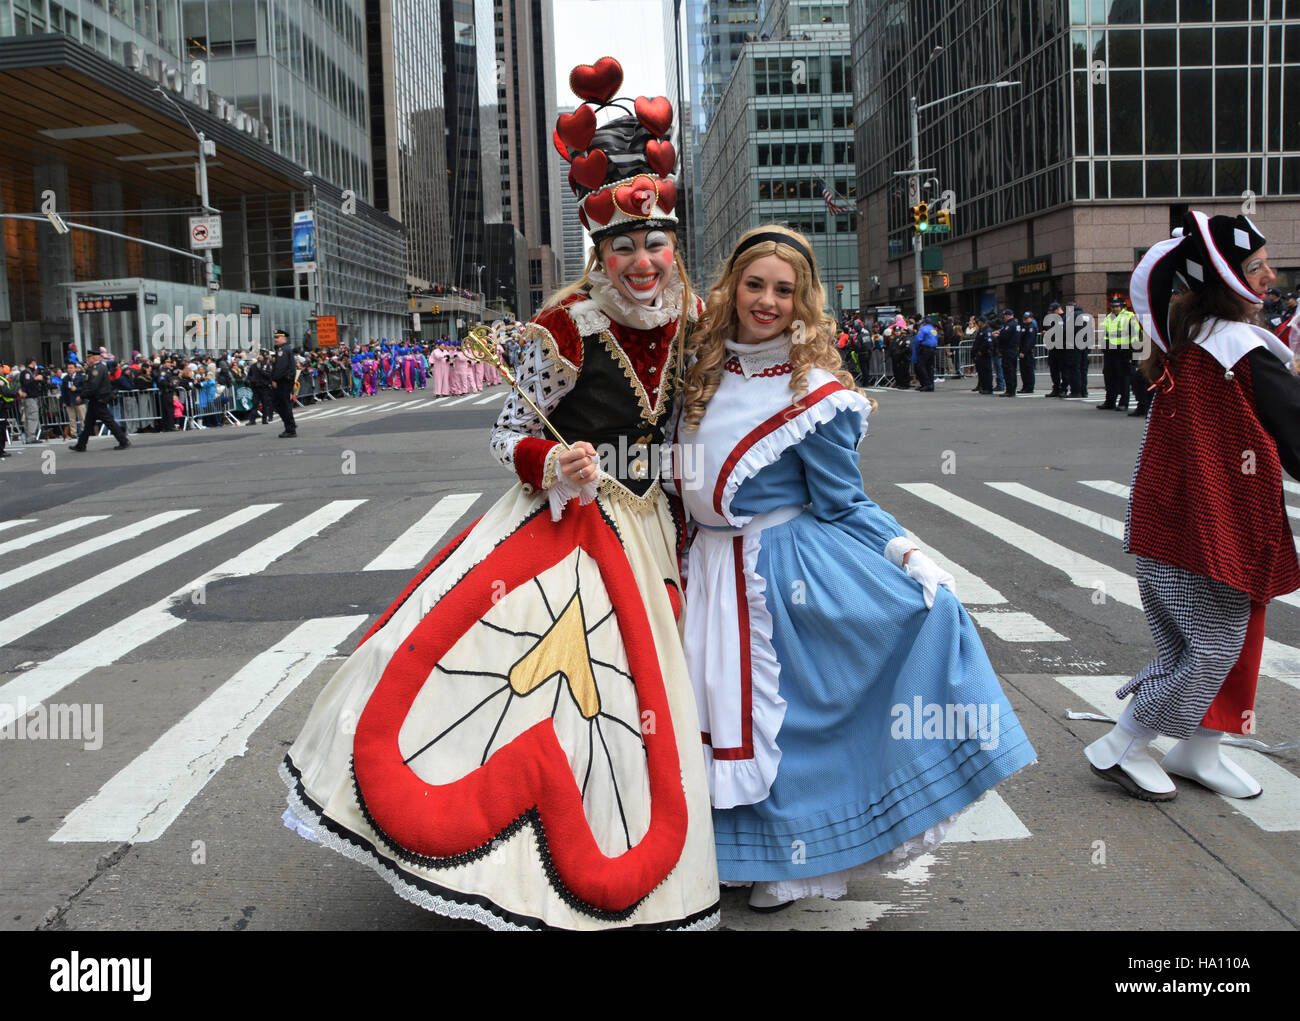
1199 626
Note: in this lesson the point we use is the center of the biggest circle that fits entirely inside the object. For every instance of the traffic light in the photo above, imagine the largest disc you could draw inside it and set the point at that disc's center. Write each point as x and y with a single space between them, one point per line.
942 220
436 309
921 217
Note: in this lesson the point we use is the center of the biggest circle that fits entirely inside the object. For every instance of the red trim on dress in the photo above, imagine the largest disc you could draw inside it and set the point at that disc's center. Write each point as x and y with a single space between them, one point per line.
764 429
770 372
530 459
746 749
1233 708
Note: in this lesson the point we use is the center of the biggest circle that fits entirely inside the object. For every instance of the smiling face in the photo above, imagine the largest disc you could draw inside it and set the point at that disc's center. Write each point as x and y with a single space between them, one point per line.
1258 273
764 300
639 264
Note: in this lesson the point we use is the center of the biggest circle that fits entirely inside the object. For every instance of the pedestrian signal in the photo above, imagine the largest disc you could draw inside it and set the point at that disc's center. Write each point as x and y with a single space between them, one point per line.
942 220
921 217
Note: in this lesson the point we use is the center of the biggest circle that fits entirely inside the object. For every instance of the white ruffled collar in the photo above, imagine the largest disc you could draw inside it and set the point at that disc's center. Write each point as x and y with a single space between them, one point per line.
629 313
755 358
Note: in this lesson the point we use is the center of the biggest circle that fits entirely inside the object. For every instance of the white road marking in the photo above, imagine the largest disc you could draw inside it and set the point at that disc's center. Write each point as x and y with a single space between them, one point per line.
1277 810
990 818
83 549
15 522
1080 515
49 533
1279 661
117 640
490 398
32 618
459 400
146 797
1106 486
972 590
410 549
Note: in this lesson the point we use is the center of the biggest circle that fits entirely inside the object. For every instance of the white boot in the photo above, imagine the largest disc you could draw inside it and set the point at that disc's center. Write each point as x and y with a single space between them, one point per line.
760 899
1124 759
1201 758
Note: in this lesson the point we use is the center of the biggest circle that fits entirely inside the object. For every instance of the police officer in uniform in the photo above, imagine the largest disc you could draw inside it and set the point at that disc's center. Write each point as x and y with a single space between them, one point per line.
1028 351
1080 325
259 379
283 372
1009 350
98 392
1117 328
981 352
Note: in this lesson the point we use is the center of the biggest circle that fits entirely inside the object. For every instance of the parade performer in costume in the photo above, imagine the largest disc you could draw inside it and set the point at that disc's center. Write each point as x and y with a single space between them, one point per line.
526 746
822 644
1212 538
441 371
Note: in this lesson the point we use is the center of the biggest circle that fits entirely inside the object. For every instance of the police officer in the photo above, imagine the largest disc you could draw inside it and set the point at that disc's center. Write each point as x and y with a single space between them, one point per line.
1028 351
283 372
260 383
1057 338
1081 330
981 352
98 392
1117 329
1008 341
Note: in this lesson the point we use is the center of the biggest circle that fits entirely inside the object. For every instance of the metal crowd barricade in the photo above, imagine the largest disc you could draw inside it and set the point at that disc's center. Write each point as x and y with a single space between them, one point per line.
134 410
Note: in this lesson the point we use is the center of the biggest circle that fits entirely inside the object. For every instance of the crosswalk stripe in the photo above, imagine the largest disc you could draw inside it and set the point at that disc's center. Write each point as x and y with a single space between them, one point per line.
1277 810
489 399
333 412
367 408
1106 486
1009 625
990 818
460 400
1079 515
417 405
49 533
82 549
38 616
146 797
410 549
1291 487
1278 661
34 686
16 522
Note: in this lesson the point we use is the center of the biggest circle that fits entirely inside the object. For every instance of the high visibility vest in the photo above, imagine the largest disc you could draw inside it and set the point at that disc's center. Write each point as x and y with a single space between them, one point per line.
1119 329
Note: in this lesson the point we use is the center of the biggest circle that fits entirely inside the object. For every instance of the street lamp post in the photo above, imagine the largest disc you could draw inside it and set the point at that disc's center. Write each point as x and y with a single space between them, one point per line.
206 148
916 165
481 299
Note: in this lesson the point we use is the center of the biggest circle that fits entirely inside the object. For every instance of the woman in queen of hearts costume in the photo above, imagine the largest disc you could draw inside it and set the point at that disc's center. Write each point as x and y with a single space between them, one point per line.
1206 516
847 705
526 746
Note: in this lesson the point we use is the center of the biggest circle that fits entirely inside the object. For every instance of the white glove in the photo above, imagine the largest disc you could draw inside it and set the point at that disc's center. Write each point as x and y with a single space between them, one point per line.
920 568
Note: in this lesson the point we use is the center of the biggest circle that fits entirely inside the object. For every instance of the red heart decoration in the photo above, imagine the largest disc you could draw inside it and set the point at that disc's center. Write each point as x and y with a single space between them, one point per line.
577 128
661 156
598 82
637 198
583 217
573 187
559 146
589 171
530 774
667 195
600 206
656 115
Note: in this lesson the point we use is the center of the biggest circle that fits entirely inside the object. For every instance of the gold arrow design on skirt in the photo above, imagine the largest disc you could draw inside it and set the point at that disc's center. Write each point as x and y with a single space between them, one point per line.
562 650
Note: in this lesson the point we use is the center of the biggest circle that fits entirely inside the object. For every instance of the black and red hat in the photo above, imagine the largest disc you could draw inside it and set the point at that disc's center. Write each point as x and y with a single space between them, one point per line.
1205 248
621 171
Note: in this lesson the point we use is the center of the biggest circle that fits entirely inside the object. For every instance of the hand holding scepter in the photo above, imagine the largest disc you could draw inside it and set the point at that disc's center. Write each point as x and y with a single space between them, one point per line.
479 346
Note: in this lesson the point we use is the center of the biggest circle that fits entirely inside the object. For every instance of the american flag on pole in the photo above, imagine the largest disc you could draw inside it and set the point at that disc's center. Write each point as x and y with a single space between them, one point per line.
831 199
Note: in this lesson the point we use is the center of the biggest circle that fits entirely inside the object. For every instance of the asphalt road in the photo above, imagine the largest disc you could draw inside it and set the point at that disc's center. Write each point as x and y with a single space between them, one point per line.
203 640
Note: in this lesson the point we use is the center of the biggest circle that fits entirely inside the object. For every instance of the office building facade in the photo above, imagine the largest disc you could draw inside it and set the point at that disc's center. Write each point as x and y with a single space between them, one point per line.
780 134
1126 114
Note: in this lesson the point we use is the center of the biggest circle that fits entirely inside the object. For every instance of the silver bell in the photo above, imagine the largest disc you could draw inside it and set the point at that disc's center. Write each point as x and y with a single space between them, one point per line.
1229 375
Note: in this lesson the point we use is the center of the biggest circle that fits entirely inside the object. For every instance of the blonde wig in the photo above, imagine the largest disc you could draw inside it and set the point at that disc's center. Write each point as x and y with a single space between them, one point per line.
707 353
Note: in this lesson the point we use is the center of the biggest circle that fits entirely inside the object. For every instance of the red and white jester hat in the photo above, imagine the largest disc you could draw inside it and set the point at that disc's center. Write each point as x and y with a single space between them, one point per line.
622 170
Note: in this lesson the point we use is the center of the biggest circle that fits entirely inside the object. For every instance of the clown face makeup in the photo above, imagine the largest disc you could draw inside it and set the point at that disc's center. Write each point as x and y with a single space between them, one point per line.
639 264
1258 273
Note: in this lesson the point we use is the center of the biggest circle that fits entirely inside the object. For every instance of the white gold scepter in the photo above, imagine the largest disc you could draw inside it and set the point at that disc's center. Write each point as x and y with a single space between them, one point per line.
480 347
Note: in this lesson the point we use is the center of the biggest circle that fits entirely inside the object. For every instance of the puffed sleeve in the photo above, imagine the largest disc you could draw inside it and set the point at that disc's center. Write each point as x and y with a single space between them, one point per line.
520 441
830 463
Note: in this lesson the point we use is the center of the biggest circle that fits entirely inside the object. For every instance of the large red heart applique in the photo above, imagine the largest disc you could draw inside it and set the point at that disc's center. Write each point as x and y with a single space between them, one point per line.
656 115
589 171
560 146
661 156
667 195
600 206
531 774
637 198
598 82
577 128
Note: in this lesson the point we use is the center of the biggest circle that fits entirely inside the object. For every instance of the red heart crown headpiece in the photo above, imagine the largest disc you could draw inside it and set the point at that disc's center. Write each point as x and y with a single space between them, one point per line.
622 169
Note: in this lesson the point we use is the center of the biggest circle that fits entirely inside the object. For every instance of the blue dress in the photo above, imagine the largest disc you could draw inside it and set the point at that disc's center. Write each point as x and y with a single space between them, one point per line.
893 717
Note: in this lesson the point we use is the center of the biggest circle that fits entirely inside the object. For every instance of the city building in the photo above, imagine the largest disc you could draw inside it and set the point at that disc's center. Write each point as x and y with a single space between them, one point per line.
781 136
1126 113
105 103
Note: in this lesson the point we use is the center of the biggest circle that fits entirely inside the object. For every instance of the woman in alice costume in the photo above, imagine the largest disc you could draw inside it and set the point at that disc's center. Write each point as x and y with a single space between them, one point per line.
847 705
515 741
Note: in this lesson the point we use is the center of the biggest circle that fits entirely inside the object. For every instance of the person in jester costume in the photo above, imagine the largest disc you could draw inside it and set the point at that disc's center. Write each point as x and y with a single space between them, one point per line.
515 741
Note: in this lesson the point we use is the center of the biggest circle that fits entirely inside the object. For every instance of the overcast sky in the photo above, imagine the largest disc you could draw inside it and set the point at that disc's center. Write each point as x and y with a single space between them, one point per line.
631 31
